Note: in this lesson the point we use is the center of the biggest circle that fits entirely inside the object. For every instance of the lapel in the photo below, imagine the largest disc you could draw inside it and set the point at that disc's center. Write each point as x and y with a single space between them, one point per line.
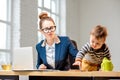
44 54
57 54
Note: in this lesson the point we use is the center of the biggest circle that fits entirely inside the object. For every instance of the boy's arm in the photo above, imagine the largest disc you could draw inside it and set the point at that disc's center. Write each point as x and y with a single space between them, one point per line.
85 49
107 52
77 62
78 59
81 54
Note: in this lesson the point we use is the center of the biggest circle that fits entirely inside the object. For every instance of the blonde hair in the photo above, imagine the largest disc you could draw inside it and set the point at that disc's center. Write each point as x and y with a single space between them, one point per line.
99 32
44 16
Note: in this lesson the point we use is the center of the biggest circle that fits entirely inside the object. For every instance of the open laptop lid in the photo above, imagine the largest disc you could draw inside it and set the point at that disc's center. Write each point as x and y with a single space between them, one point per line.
23 59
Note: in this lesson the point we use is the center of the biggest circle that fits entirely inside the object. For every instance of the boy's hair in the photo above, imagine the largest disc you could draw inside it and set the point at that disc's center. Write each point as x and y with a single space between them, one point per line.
99 32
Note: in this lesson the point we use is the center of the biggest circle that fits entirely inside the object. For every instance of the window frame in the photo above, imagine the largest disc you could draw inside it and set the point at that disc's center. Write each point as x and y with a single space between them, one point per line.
6 52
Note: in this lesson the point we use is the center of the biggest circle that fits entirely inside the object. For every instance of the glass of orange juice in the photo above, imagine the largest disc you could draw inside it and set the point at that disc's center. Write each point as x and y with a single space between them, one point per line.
5 61
6 66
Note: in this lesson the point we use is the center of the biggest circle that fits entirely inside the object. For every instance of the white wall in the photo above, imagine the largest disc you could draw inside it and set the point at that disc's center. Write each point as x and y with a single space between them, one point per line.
91 13
73 20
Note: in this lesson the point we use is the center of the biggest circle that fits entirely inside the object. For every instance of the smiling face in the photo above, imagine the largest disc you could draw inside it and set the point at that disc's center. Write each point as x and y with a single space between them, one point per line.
48 29
96 43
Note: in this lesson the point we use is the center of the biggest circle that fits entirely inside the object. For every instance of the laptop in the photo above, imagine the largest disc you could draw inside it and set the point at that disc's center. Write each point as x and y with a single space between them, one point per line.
22 59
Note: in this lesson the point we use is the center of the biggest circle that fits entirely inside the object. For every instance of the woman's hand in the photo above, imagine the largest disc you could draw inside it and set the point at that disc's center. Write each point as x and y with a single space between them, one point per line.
42 66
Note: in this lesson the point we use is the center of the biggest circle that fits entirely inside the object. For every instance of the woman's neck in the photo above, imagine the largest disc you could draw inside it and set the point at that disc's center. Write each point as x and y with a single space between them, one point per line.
50 42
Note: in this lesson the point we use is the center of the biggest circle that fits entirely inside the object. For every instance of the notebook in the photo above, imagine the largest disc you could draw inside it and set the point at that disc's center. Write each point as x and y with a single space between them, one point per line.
23 59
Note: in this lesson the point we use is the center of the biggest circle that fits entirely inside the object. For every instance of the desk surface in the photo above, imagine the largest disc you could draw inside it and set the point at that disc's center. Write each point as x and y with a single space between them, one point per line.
74 73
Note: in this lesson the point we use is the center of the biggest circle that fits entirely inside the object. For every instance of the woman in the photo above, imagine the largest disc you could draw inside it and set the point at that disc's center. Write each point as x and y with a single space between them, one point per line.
53 50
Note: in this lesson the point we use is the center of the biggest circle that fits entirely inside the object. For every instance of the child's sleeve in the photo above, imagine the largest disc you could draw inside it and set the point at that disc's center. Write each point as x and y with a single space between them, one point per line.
107 53
82 51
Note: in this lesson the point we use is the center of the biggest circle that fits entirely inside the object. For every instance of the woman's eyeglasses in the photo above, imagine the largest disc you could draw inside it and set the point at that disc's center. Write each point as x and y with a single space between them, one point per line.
49 29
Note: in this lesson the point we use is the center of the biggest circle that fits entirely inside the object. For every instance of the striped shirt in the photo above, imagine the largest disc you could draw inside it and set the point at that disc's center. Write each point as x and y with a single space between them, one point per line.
94 56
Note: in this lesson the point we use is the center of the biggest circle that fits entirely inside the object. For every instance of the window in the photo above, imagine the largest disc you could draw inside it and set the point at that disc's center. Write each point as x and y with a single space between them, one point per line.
52 7
4 30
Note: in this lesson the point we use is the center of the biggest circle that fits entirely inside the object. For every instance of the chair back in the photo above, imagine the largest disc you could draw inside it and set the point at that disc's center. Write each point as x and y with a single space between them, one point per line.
71 60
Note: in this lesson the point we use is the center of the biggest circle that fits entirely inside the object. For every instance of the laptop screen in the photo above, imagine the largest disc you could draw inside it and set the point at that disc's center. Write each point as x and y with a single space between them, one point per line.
22 58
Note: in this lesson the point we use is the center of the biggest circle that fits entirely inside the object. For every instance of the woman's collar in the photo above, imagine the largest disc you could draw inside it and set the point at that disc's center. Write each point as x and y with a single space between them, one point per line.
56 41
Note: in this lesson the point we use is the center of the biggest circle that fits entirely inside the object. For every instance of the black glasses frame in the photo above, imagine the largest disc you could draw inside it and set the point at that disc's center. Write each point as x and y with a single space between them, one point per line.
49 29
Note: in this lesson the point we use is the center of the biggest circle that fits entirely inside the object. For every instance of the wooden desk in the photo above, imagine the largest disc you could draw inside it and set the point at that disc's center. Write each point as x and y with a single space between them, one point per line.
72 74
47 73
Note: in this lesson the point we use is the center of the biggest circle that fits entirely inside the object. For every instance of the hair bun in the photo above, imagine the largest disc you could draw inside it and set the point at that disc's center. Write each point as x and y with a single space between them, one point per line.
43 15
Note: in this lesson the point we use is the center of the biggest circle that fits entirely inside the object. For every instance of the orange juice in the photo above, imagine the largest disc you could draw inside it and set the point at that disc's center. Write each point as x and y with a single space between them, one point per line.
6 67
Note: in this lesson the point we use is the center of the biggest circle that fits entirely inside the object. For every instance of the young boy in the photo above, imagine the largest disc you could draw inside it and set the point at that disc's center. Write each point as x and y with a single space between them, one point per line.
90 56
